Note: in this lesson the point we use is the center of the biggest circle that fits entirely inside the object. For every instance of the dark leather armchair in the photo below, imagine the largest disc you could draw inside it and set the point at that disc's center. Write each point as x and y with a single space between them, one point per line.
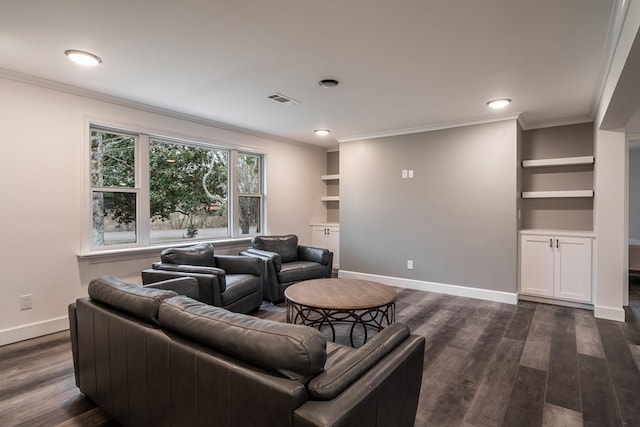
229 281
286 263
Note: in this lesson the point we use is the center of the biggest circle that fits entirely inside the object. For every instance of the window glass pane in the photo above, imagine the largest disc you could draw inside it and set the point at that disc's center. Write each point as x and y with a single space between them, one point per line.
188 191
248 174
250 214
114 218
112 159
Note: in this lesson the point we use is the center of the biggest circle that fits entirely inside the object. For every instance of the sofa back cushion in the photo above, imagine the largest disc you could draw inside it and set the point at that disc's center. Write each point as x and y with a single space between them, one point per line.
286 246
142 303
295 352
201 254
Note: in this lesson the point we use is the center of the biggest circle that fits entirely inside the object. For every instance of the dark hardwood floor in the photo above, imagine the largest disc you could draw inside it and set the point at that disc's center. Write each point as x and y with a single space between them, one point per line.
486 364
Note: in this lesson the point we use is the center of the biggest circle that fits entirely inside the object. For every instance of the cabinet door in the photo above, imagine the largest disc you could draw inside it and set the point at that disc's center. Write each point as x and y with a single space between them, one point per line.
319 237
334 245
536 265
573 268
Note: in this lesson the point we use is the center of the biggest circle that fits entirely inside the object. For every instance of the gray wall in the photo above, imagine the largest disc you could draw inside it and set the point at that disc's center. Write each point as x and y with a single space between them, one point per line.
456 219
634 190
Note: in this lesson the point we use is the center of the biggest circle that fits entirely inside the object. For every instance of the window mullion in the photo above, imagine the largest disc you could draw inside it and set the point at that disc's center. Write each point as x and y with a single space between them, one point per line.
234 198
142 184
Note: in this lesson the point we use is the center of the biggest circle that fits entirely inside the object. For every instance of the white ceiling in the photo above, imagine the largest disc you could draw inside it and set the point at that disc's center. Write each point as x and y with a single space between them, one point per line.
402 65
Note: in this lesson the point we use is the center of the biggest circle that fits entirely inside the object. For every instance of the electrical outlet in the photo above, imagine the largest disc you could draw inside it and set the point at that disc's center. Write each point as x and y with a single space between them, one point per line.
26 302
409 264
405 173
411 173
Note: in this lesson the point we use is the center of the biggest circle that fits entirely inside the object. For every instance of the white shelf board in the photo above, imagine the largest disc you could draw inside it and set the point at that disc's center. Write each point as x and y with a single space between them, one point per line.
330 198
330 177
559 161
556 194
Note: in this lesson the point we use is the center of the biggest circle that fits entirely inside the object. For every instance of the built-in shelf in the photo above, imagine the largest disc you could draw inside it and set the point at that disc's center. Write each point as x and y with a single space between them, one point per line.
556 194
559 161
330 198
330 177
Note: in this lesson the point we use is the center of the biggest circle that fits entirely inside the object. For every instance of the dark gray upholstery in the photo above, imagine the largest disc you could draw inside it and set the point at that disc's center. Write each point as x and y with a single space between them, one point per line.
202 365
286 262
228 281
291 351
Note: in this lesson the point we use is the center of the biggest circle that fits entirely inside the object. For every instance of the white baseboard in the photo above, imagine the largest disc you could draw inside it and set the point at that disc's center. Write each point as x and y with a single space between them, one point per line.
442 288
33 330
609 313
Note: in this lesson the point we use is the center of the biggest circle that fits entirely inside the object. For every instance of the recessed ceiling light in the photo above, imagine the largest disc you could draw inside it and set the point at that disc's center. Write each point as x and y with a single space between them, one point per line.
83 58
322 132
499 103
327 83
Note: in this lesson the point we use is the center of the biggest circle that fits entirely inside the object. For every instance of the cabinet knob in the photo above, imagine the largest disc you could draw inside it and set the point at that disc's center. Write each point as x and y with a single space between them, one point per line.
551 243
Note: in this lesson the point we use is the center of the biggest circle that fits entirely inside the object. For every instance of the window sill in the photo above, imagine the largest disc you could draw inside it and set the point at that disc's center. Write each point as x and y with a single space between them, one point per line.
112 255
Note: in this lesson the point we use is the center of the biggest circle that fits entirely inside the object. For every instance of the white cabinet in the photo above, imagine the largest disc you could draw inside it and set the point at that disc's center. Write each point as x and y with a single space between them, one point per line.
556 265
327 236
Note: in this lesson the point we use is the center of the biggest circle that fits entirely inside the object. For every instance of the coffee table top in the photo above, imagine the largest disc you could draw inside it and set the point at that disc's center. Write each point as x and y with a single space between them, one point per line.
340 294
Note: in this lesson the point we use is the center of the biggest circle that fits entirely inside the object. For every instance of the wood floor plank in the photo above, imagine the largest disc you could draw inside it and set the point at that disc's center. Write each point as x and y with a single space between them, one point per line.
563 385
518 328
538 345
526 404
555 416
587 334
599 406
490 401
624 371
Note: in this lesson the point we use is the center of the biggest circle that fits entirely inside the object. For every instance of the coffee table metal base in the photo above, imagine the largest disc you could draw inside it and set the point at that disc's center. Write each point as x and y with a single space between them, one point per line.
375 317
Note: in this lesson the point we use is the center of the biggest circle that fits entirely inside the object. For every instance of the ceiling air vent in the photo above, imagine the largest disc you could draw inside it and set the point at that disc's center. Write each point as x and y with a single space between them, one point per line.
283 99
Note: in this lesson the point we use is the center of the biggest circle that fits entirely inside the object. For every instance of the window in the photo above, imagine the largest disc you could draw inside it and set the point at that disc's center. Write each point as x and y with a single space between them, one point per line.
151 190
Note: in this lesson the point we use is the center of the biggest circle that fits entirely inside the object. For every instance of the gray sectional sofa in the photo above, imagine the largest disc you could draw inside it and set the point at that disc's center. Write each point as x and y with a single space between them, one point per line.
151 357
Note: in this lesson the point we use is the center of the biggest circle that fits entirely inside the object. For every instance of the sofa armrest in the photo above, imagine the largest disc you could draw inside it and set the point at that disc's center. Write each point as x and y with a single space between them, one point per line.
386 395
209 285
73 331
347 370
236 264
187 286
309 253
266 255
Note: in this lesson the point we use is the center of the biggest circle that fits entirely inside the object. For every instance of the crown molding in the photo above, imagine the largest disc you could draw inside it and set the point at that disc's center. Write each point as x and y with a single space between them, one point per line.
429 128
561 122
614 31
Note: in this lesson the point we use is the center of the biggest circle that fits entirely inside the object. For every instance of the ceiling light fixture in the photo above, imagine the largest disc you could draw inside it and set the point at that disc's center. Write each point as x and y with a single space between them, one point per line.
322 132
83 58
498 103
327 83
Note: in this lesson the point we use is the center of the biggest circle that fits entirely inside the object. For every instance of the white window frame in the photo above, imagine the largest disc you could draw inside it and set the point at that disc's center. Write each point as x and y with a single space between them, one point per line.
142 191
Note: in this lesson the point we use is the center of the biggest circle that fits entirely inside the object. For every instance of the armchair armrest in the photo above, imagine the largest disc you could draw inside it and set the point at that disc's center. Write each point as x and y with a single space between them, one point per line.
210 286
187 286
267 255
188 268
236 264
319 255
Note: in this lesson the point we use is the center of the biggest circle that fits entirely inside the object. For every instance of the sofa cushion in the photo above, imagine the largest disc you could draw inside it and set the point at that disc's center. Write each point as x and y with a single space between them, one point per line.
201 254
295 352
342 373
136 301
286 246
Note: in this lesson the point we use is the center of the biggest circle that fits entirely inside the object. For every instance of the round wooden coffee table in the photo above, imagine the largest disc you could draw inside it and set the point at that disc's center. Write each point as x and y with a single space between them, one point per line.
325 302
